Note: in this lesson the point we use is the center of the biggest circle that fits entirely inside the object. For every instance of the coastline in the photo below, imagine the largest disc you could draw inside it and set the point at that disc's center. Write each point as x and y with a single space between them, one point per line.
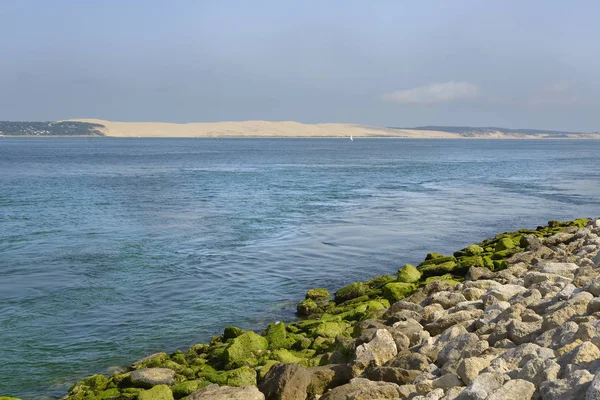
292 129
330 327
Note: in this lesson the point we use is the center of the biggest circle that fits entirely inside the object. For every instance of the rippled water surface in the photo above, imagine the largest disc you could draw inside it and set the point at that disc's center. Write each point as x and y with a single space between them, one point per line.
111 249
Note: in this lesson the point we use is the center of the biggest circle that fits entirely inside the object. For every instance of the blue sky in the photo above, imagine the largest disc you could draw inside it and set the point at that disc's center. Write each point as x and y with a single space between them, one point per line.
528 64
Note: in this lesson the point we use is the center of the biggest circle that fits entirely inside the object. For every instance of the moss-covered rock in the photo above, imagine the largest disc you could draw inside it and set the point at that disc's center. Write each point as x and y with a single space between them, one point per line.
186 388
108 394
307 307
504 244
349 292
396 291
159 392
8 398
277 337
473 250
379 281
330 329
244 376
438 260
437 269
244 349
285 356
470 261
317 293
408 274
231 332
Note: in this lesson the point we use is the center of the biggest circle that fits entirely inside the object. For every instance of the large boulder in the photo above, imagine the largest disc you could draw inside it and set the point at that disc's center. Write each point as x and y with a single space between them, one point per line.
363 389
286 382
378 351
148 377
514 389
409 274
214 392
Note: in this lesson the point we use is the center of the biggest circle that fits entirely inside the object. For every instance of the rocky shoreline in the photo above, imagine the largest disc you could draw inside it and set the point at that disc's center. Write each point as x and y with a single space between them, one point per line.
513 317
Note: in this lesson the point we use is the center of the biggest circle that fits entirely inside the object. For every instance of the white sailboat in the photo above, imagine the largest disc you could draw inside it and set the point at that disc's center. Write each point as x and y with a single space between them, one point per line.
352 140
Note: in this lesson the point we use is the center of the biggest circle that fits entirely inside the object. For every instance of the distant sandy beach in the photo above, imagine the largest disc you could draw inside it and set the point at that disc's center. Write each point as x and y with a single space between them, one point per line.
272 129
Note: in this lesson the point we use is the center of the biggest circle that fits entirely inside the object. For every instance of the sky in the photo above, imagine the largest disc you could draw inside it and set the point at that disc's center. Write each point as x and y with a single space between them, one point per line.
513 64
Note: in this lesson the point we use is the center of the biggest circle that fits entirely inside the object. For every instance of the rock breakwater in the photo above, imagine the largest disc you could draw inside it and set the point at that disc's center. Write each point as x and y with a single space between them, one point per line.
516 316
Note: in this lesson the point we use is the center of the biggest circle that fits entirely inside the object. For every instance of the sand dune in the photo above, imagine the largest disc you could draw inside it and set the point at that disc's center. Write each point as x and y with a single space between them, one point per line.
289 129
255 129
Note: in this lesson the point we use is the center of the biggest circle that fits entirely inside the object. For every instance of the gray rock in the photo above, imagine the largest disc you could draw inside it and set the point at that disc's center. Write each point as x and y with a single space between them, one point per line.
463 346
572 388
378 351
214 392
399 376
563 269
593 392
148 377
445 298
469 368
409 360
482 386
523 332
435 394
503 293
446 382
411 329
286 382
363 389
446 321
514 389
558 337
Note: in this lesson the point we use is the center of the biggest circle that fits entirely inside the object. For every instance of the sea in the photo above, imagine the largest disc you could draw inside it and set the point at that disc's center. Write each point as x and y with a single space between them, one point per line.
112 249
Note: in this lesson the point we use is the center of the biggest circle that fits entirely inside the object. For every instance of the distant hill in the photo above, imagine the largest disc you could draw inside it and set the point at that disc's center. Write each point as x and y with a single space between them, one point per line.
50 128
471 131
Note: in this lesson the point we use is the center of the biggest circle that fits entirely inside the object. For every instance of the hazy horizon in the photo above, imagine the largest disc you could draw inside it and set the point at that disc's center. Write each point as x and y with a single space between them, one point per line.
465 63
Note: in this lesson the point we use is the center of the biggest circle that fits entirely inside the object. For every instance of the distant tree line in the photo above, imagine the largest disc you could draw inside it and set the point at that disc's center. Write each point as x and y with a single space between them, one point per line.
66 128
476 131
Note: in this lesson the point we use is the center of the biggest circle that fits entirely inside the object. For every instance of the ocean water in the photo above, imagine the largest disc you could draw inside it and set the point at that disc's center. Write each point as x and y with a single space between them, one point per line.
112 249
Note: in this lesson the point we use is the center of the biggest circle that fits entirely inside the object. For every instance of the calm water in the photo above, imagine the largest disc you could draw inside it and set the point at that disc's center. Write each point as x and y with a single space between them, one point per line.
111 249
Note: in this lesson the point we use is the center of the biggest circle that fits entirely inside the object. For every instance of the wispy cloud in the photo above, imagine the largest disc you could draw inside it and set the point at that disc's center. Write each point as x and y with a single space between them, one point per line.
435 93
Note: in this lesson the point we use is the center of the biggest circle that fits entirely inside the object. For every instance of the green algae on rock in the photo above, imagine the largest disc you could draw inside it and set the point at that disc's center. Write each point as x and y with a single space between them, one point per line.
408 274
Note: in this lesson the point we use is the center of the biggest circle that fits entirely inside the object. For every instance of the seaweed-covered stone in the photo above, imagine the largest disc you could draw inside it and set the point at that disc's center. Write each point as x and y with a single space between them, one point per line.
307 307
90 385
148 377
8 398
159 392
473 250
277 337
317 293
350 292
504 244
396 291
186 388
244 349
232 332
408 274
330 329
437 269
244 376
471 261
